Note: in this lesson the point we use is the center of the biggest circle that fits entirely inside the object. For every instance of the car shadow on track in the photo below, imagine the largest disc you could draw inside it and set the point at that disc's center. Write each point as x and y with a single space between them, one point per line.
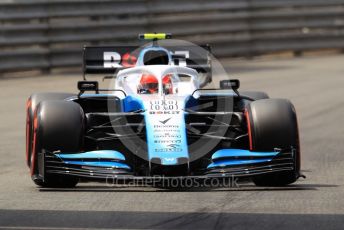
147 189
62 219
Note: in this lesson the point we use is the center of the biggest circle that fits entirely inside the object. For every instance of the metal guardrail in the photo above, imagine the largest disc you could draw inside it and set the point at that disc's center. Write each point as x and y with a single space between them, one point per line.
44 34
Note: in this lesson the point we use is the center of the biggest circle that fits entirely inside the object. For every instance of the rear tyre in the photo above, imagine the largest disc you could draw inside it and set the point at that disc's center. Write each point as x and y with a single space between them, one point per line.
58 125
31 105
273 124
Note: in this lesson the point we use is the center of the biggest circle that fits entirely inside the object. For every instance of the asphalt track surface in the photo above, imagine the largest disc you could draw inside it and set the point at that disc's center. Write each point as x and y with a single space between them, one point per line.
314 84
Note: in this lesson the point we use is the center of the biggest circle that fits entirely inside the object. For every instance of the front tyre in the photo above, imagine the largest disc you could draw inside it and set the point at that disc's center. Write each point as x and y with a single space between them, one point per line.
31 105
273 124
58 126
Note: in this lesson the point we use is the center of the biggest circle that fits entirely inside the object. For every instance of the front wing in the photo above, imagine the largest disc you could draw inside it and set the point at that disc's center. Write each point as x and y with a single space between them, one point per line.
109 165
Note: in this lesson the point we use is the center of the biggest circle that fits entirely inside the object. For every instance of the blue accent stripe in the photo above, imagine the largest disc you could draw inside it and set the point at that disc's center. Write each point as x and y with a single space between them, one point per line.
131 103
232 153
226 163
99 154
109 164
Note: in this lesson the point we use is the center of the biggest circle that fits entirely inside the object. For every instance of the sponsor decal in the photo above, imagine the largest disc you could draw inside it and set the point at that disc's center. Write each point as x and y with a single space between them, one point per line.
115 60
128 60
167 135
161 105
166 131
166 150
165 112
166 126
168 141
183 56
165 121
173 145
112 60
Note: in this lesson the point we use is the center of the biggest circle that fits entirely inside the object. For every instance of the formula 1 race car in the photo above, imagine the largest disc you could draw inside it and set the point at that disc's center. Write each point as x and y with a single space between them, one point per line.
158 118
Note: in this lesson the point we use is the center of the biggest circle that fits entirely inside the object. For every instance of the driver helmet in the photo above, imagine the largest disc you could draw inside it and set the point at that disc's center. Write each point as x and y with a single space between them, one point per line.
167 84
148 84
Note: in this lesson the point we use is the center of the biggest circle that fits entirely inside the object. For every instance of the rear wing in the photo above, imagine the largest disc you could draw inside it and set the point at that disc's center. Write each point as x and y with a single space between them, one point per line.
109 59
